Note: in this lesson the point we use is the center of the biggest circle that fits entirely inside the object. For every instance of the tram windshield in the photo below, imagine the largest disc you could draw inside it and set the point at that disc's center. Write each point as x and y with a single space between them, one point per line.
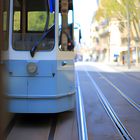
32 20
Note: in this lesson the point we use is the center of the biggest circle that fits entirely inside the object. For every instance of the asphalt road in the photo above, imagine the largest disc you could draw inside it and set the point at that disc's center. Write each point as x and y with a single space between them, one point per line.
121 90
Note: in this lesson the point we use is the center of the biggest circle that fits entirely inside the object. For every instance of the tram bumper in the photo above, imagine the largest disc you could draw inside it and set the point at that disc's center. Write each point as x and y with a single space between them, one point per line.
42 104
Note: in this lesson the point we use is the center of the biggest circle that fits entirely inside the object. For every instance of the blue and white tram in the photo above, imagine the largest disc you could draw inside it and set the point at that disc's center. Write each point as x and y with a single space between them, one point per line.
41 66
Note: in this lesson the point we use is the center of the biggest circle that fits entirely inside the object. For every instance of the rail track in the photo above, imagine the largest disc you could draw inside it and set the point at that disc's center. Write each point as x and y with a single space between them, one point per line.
132 102
119 125
82 127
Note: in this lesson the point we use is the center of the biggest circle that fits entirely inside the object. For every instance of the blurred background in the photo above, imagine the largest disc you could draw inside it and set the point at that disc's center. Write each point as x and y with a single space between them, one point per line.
110 31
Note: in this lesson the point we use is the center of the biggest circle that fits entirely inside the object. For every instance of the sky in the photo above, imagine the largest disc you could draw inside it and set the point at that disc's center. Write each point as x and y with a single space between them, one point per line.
84 11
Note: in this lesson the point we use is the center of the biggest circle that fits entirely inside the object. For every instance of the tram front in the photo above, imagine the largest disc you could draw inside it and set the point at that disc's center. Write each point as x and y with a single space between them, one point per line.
41 67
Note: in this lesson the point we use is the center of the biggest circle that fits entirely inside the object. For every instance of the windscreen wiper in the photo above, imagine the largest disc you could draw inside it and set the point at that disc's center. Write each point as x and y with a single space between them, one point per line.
34 48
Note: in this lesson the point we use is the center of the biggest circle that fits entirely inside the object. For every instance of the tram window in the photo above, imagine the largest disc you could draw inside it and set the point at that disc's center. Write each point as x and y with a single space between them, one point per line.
70 30
31 20
17 15
4 21
37 21
5 24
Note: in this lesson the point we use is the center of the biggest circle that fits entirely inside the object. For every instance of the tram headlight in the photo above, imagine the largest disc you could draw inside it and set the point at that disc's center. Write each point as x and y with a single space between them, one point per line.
31 68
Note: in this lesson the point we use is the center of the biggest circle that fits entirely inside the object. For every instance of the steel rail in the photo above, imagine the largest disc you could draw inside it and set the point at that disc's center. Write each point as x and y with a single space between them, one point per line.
120 127
81 120
10 125
135 105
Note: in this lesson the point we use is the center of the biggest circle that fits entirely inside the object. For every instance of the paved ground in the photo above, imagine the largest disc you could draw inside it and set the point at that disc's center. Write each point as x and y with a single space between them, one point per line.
125 67
132 71
120 86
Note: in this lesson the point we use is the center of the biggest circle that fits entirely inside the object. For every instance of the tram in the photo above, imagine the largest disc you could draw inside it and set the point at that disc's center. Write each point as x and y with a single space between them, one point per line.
41 73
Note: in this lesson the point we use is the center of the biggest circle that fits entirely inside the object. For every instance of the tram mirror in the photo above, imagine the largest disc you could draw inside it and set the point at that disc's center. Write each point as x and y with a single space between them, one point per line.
70 37
80 35
51 5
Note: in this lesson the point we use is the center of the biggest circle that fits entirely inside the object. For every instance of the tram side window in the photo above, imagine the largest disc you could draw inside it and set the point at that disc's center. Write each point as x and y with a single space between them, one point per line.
17 15
4 21
5 18
70 43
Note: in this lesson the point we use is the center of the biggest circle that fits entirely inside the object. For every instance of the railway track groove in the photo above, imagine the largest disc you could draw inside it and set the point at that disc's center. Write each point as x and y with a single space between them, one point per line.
135 105
10 125
120 127
82 127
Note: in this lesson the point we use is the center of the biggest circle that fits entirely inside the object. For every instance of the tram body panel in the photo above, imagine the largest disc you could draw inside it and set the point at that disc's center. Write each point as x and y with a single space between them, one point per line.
51 90
65 78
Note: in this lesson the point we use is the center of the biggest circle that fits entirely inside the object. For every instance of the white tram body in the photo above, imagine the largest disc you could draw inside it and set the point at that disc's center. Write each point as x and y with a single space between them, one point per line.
41 73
